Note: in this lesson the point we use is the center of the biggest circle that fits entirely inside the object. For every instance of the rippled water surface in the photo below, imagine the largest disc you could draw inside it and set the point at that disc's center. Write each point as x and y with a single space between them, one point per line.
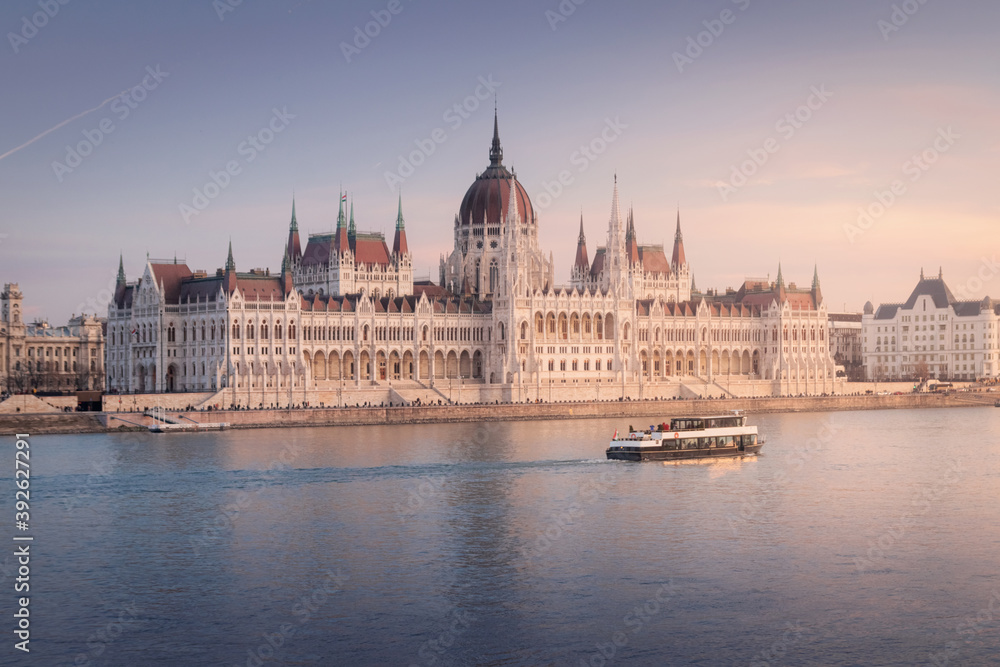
855 538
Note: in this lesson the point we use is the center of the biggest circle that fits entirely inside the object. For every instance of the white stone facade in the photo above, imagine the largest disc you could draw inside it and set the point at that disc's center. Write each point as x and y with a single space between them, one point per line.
932 335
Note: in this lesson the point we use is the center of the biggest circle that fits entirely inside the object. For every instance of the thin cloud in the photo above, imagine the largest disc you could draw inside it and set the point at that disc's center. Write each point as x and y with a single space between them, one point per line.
56 127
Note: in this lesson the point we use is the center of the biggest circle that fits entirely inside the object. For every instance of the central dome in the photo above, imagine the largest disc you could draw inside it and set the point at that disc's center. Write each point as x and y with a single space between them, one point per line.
489 194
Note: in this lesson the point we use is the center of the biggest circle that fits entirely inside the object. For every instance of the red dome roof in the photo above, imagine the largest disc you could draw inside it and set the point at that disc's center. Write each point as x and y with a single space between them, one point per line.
490 192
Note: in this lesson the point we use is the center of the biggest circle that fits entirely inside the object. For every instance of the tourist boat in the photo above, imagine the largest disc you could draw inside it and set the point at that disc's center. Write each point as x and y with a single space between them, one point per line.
688 438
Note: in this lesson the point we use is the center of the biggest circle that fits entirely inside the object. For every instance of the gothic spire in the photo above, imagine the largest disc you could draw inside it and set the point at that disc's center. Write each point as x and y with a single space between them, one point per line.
351 229
779 281
230 264
295 223
678 259
582 262
496 151
121 270
340 242
817 293
399 245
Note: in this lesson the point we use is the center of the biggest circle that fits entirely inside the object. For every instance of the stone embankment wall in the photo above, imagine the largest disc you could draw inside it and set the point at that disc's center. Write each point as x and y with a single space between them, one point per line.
640 412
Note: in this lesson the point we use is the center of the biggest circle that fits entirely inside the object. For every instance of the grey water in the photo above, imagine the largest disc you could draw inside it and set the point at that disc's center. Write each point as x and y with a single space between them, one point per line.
855 538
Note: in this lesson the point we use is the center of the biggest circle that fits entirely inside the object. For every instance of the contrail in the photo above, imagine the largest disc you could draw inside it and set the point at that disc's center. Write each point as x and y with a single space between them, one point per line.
68 120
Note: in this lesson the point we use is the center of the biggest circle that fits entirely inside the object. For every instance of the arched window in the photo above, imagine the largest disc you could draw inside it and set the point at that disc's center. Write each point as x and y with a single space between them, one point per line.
236 330
250 330
291 330
263 329
494 276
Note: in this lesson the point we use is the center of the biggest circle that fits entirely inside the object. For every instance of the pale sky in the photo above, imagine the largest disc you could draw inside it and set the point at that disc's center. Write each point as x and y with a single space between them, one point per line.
884 99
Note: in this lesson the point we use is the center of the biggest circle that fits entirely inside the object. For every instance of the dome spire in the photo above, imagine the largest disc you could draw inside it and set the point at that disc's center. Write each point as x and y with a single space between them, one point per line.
496 151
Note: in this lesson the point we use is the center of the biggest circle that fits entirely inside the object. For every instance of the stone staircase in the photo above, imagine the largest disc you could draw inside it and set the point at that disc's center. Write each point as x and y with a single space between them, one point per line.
409 392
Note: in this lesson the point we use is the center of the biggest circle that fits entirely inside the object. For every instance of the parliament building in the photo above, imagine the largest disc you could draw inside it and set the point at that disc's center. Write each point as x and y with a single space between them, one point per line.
344 321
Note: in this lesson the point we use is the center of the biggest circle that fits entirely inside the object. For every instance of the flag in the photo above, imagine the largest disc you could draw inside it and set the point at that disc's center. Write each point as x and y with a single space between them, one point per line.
615 436
343 197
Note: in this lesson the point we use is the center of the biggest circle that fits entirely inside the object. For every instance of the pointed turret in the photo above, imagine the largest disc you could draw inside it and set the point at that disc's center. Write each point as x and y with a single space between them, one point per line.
631 245
293 250
496 151
340 240
121 271
352 231
678 259
582 263
615 223
399 246
779 285
229 277
286 274
817 293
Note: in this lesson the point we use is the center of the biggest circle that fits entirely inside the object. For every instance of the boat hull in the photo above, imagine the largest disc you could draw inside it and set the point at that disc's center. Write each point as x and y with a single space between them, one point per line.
628 453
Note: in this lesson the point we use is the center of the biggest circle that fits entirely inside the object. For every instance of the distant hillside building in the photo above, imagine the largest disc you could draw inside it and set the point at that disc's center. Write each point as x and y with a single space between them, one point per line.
39 357
931 335
345 312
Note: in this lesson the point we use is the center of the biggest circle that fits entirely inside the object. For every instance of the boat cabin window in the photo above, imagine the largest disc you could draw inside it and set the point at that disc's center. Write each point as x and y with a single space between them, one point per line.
723 422
687 424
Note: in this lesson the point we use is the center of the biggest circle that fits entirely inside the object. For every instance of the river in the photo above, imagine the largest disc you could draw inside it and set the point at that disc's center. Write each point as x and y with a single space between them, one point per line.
855 538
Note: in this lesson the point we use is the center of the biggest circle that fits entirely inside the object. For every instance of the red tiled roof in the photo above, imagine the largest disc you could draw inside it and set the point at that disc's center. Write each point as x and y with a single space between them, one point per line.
317 250
370 249
598 265
260 288
430 289
170 275
653 259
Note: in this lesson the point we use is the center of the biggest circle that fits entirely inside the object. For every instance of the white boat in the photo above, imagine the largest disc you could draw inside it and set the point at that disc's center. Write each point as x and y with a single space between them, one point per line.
715 436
